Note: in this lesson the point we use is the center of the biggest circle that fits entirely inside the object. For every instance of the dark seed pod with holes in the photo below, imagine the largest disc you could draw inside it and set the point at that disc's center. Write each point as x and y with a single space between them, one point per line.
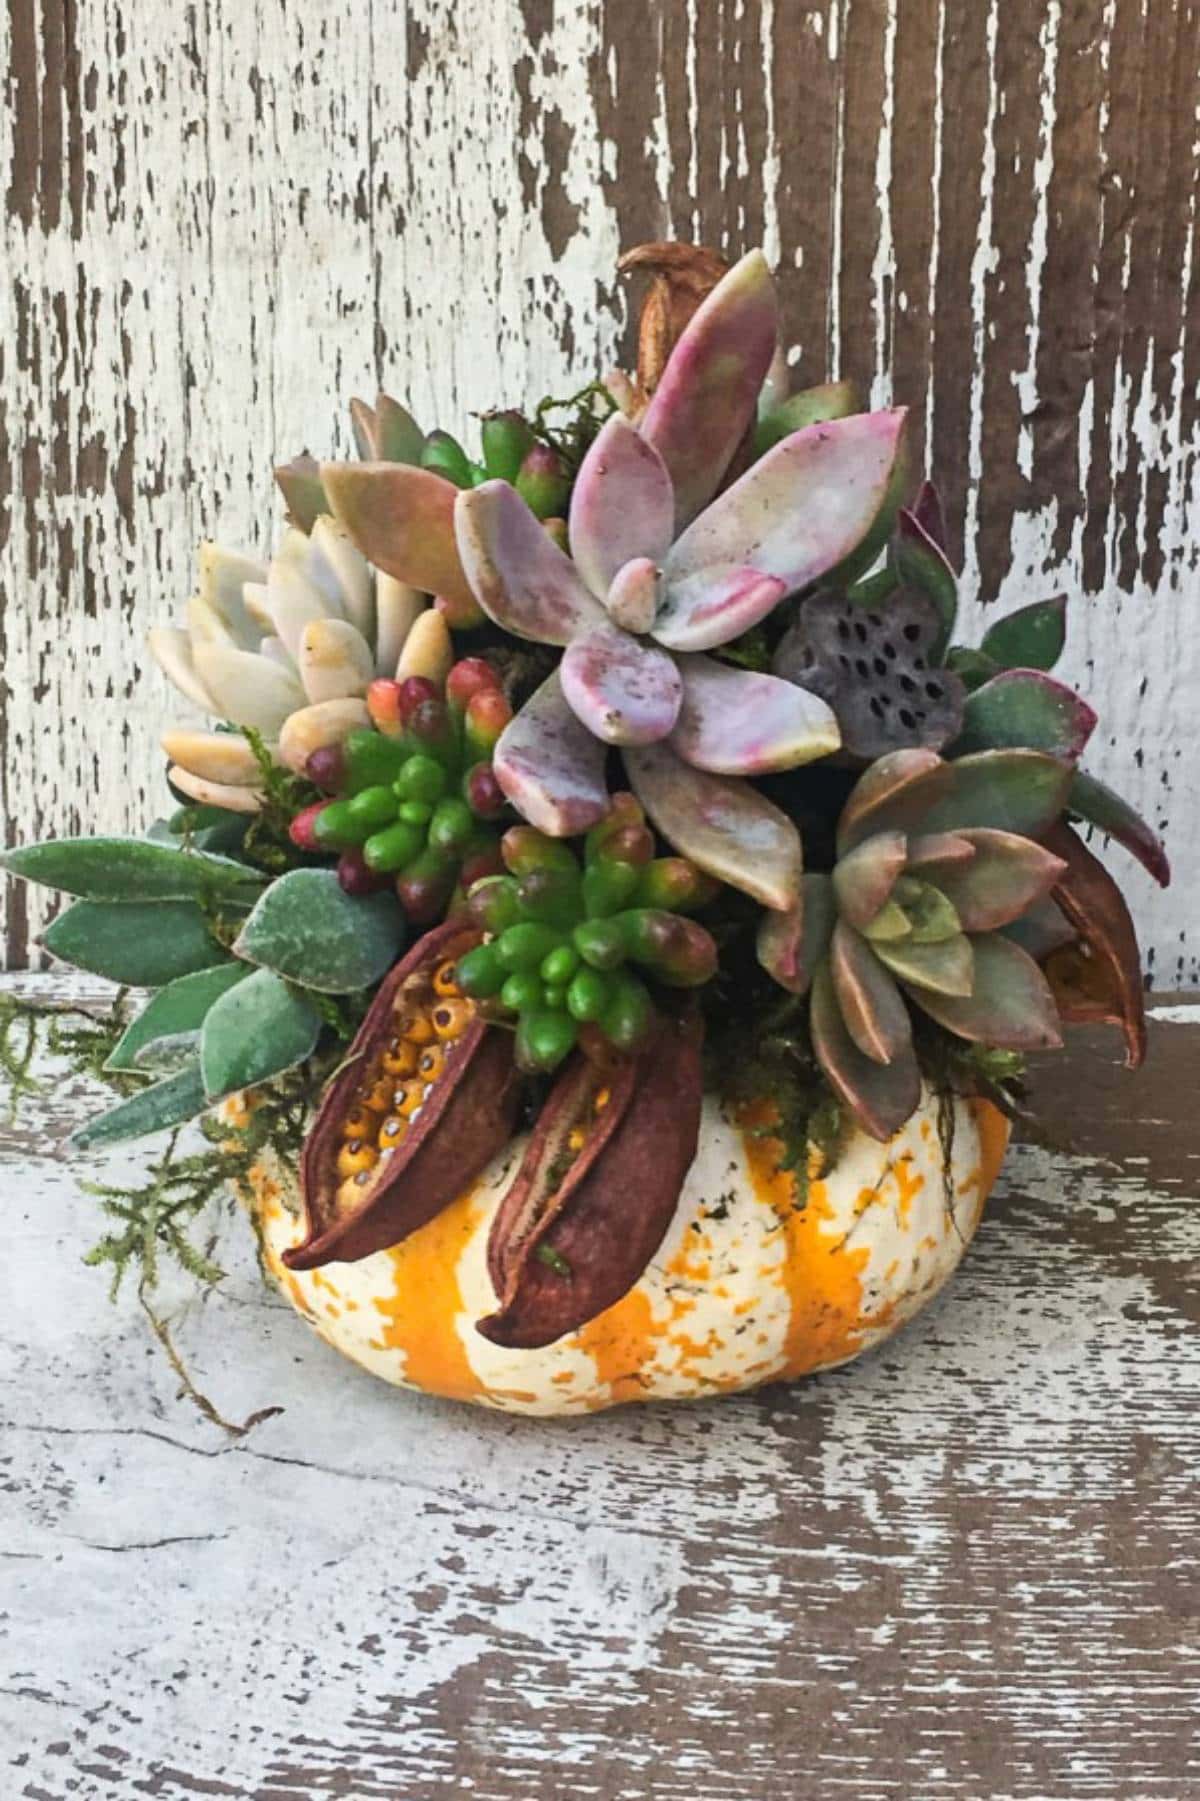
875 668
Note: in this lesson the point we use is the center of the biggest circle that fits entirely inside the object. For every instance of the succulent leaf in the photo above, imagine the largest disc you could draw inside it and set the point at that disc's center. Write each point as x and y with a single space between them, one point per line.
625 692
550 766
871 1005
801 509
632 599
946 967
921 564
877 668
811 406
386 432
736 722
863 879
724 826
307 929
1030 638
140 944
334 660
931 517
622 505
157 1108
1008 875
1112 986
713 606
255 1031
178 1008
402 519
1004 790
1009 1006
132 869
1102 807
521 579
708 392
300 484
932 854
879 799
247 689
881 1096
1041 931
1026 708
791 944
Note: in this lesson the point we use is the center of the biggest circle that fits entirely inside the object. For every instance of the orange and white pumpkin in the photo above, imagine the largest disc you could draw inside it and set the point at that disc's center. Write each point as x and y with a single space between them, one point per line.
756 1280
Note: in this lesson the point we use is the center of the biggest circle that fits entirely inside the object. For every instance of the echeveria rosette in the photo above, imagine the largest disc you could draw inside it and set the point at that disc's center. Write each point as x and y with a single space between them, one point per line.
660 574
935 861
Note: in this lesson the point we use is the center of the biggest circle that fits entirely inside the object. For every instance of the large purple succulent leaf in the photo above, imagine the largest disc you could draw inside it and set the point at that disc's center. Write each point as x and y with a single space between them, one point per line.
946 967
402 519
799 511
1010 1006
864 878
1026 708
738 722
520 578
714 606
1005 790
881 1096
871 1005
791 944
551 767
1007 875
708 392
625 692
1030 638
725 826
879 799
1104 808
622 505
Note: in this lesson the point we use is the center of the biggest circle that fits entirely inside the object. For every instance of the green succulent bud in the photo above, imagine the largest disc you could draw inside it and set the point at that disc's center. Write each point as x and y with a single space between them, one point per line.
507 439
446 456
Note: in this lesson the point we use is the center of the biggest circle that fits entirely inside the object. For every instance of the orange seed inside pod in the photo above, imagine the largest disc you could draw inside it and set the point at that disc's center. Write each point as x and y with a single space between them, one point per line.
431 1065
400 1058
418 1029
392 1131
408 1098
360 1122
445 981
356 1158
451 1018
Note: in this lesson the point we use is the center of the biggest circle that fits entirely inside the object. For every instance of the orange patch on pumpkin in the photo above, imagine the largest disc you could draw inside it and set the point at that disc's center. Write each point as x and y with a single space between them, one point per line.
422 1313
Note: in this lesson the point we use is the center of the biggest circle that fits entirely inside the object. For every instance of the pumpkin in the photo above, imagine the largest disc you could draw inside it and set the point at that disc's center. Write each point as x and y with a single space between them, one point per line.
759 1278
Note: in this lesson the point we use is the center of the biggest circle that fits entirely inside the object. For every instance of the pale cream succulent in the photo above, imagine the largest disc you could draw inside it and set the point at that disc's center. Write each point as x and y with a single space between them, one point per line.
288 649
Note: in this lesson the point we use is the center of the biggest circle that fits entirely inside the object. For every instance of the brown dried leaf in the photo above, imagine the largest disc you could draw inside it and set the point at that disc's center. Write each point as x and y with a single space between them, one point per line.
1100 979
682 275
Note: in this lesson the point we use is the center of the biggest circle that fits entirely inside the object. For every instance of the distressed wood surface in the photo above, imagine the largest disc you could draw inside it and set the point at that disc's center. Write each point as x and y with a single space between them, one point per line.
224 219
963 1567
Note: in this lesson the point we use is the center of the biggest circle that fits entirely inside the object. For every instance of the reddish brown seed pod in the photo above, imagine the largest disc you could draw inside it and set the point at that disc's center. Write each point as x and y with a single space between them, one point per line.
464 1119
585 1216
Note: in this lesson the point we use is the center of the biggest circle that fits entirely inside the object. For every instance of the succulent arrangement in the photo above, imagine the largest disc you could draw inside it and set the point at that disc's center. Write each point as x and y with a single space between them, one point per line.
536 779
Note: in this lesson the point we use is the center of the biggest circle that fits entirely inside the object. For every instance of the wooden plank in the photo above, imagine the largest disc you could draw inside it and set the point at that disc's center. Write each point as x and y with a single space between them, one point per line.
961 1567
223 223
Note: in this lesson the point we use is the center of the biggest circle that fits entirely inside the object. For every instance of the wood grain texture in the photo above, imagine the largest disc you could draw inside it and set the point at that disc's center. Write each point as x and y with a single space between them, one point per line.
223 220
963 1567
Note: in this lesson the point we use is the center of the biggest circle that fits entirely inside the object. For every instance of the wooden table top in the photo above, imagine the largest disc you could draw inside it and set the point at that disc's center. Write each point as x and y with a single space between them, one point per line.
964 1567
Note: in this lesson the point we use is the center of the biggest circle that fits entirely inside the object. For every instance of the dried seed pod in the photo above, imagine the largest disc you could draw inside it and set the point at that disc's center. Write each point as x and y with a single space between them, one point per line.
433 1131
596 1190
682 276
876 669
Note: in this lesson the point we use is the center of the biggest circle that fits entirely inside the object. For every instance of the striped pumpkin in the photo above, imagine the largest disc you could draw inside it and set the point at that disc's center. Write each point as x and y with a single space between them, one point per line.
753 1282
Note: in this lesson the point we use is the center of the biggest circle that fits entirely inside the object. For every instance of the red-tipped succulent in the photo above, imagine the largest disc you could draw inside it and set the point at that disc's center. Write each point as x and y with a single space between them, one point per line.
935 861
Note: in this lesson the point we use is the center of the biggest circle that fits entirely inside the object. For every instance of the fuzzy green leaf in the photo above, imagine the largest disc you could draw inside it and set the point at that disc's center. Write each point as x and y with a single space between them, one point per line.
141 944
177 1008
168 1103
257 1030
132 869
305 928
1031 638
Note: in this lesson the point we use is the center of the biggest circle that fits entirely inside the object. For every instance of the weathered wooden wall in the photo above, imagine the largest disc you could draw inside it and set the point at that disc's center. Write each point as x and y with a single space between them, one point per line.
222 219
